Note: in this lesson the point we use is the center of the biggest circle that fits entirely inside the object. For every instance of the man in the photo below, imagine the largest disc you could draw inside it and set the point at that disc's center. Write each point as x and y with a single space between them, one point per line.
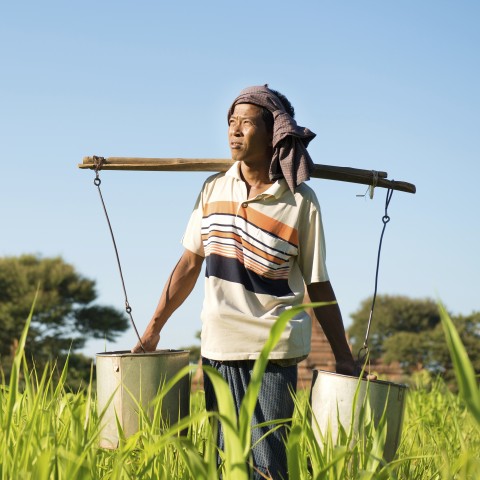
259 229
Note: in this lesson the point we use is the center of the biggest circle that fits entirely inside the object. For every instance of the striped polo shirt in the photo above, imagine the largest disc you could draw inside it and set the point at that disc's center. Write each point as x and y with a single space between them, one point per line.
259 254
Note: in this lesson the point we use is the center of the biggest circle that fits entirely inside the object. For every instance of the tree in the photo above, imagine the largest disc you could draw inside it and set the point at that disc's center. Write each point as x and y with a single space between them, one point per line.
409 331
65 314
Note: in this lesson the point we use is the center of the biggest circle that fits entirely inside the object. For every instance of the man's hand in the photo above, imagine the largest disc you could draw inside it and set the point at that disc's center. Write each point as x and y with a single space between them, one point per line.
347 367
149 340
352 368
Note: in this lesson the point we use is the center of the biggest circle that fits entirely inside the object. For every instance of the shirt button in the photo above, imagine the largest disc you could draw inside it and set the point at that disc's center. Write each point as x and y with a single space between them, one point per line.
244 204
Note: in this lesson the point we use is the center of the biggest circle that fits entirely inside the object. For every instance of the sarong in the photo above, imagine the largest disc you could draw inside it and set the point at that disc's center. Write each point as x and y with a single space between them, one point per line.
274 402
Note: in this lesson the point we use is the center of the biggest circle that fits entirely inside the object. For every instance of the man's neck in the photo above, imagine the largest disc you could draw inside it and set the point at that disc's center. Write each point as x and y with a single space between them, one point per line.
256 178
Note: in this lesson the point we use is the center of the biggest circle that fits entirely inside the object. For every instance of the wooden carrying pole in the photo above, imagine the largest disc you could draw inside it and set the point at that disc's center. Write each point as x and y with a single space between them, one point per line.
343 174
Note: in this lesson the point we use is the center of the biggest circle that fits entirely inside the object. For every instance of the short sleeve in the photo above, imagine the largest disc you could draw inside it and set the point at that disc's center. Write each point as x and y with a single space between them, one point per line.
312 250
192 238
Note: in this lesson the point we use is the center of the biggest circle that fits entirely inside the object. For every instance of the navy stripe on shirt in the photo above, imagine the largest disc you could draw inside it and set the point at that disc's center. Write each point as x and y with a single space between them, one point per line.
230 269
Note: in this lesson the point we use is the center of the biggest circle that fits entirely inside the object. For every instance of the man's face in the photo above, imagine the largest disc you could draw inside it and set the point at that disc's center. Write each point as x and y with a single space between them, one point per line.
248 137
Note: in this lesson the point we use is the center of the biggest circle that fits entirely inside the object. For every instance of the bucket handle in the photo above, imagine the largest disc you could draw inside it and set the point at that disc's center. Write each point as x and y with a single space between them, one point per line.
385 219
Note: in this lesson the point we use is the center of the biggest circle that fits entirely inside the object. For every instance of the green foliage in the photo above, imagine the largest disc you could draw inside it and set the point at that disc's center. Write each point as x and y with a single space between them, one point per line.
65 315
410 331
464 370
440 439
392 314
47 432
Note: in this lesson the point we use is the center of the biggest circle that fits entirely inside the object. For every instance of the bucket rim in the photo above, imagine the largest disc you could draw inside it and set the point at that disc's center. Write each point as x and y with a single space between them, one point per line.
128 353
381 382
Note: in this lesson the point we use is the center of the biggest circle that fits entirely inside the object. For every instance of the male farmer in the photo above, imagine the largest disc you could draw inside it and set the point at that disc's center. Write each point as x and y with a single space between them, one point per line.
259 229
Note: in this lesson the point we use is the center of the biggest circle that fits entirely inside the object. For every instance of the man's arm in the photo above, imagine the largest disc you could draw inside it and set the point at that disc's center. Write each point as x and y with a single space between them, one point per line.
330 319
176 290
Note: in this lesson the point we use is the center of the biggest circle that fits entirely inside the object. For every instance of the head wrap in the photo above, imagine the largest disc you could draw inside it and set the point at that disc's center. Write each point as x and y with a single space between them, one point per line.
290 158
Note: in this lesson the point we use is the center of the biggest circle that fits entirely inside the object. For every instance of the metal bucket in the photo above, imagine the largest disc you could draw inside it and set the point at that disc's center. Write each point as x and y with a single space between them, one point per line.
332 401
127 380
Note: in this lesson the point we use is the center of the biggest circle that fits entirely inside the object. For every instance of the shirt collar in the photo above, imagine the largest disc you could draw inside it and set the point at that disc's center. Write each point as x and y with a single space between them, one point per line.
277 189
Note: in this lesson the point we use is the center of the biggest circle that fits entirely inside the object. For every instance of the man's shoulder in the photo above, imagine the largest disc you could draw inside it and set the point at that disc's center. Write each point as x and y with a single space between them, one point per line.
217 184
214 179
306 192
222 177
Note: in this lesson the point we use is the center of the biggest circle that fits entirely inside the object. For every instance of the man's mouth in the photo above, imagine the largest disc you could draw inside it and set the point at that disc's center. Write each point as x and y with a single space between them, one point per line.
235 145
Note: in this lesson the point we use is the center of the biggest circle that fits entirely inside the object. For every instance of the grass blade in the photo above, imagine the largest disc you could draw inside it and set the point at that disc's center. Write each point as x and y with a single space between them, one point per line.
464 372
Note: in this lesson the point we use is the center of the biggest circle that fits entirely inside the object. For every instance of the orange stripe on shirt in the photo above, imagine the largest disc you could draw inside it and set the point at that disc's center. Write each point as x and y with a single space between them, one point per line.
260 220
248 246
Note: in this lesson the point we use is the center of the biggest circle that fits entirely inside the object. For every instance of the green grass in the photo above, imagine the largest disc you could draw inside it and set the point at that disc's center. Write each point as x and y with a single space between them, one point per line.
48 432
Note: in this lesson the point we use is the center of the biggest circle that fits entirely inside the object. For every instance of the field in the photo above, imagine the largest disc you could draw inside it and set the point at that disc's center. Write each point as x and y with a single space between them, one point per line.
48 432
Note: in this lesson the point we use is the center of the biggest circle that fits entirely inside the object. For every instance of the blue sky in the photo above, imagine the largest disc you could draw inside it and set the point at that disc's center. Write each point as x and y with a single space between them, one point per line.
390 86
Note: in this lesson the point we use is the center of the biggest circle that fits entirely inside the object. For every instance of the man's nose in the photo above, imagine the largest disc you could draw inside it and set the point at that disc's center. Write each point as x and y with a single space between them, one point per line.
234 129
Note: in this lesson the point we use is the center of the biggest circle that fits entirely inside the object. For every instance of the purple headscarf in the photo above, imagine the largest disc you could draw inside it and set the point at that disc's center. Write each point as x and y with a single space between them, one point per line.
290 157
